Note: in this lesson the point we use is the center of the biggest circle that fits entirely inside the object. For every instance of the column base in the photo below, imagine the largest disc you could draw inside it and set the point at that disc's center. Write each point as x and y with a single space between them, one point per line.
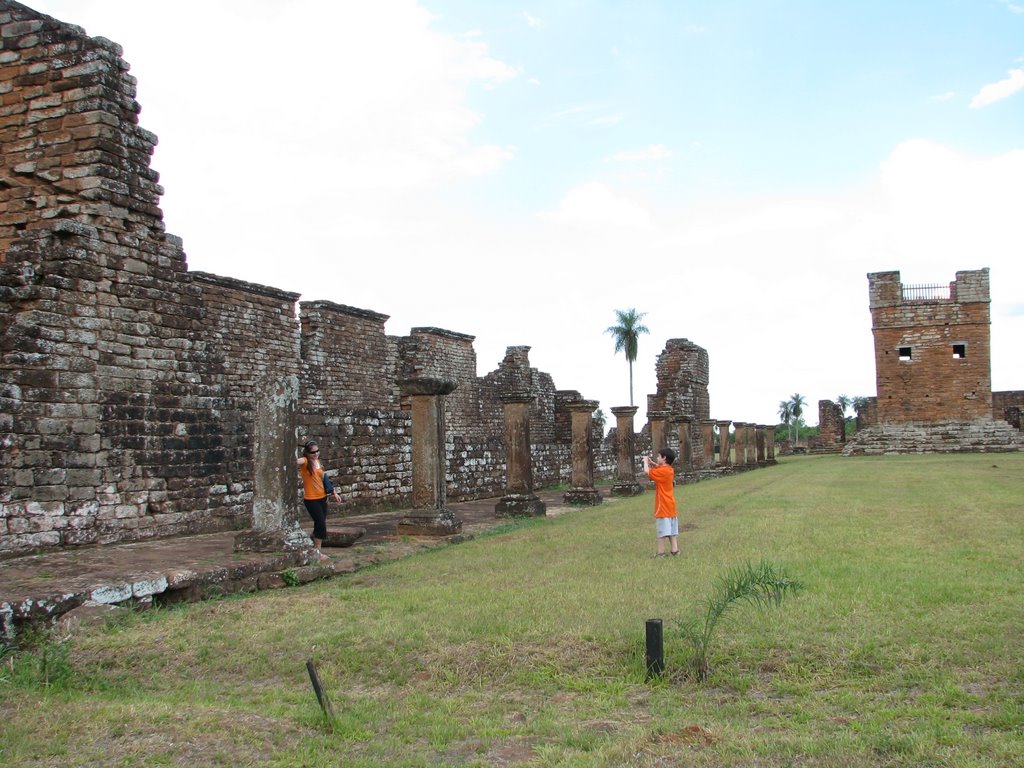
627 489
429 522
520 505
583 497
254 540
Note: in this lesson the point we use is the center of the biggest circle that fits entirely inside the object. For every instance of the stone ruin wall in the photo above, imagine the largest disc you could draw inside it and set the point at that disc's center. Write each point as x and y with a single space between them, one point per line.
683 374
831 424
127 382
1009 406
933 385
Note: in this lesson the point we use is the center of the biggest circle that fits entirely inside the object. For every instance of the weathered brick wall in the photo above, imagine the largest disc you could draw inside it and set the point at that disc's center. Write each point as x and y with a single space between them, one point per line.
346 358
108 395
127 383
683 374
946 375
250 331
1008 406
831 424
867 416
70 141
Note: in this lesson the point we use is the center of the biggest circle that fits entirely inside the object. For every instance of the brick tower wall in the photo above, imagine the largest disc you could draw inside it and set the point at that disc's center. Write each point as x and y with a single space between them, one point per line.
932 354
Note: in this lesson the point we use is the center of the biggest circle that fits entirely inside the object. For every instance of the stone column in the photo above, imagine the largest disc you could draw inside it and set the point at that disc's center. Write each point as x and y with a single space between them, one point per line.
582 492
428 516
708 430
625 445
519 499
740 443
659 430
724 449
760 442
275 502
685 444
770 448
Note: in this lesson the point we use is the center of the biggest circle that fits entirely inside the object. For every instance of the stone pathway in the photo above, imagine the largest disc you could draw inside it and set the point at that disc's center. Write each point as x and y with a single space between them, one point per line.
47 586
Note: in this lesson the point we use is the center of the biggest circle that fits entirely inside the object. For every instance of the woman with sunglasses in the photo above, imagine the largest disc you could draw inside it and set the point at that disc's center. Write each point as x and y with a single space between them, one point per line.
316 488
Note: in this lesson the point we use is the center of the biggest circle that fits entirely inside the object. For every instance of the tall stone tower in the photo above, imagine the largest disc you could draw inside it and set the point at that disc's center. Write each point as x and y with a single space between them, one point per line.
932 350
683 377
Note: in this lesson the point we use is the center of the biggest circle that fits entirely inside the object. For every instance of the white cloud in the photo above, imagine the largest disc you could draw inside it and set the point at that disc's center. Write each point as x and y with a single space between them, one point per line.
484 159
994 92
596 206
947 96
532 21
653 152
591 115
612 118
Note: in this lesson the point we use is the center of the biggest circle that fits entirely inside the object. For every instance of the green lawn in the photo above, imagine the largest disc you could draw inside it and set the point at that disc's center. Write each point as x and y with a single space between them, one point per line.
526 647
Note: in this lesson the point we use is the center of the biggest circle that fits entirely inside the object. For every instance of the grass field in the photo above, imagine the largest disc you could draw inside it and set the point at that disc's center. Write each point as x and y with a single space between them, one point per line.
526 647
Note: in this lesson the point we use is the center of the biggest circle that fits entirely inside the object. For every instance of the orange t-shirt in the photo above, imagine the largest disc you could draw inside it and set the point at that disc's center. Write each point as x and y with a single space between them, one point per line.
312 484
664 498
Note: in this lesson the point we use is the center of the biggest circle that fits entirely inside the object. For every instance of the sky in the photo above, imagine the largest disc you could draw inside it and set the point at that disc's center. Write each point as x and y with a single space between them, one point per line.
519 171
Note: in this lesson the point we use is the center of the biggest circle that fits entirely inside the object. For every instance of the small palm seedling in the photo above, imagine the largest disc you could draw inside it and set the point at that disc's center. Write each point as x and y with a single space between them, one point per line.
763 585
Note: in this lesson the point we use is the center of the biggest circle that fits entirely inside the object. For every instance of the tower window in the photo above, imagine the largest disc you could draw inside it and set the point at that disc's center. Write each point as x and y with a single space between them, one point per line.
959 351
905 353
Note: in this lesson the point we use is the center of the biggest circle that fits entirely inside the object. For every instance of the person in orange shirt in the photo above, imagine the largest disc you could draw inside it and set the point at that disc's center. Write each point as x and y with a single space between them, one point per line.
316 487
659 469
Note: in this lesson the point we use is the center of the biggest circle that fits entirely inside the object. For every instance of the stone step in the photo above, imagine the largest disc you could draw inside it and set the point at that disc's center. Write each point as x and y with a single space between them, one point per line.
989 435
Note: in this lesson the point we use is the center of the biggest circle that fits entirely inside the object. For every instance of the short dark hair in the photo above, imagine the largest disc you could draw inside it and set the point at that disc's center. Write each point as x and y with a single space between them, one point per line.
669 454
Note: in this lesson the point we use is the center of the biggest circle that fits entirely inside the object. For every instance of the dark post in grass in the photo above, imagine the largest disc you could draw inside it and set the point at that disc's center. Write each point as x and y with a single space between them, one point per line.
655 649
318 689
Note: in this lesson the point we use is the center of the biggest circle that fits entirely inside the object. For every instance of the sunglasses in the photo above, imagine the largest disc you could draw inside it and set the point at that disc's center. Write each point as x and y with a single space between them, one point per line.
316 451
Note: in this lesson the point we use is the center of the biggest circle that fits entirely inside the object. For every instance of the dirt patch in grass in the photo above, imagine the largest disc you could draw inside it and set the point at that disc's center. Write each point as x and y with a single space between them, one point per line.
149 735
475 661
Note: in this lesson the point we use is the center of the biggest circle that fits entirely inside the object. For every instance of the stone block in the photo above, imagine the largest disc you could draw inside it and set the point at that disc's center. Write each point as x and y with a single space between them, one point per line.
342 537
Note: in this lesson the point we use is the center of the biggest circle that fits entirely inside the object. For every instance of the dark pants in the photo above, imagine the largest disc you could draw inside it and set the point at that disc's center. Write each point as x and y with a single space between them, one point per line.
317 509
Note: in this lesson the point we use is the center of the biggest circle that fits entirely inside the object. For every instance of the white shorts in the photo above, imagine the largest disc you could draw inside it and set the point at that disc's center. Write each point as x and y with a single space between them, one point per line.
667 526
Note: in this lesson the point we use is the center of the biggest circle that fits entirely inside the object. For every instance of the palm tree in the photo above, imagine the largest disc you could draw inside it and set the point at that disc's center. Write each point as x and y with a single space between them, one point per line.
844 402
626 334
785 414
796 407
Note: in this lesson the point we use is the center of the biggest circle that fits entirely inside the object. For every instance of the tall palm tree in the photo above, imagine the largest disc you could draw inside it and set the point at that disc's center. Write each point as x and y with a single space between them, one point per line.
844 402
626 334
786 415
796 407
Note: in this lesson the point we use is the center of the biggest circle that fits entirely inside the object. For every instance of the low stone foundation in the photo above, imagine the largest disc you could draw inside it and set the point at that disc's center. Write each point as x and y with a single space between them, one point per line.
981 436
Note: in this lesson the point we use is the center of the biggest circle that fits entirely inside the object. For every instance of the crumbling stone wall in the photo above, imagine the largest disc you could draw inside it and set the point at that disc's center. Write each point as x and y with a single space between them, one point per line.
682 392
831 424
107 384
932 353
127 383
1008 406
867 415
683 374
